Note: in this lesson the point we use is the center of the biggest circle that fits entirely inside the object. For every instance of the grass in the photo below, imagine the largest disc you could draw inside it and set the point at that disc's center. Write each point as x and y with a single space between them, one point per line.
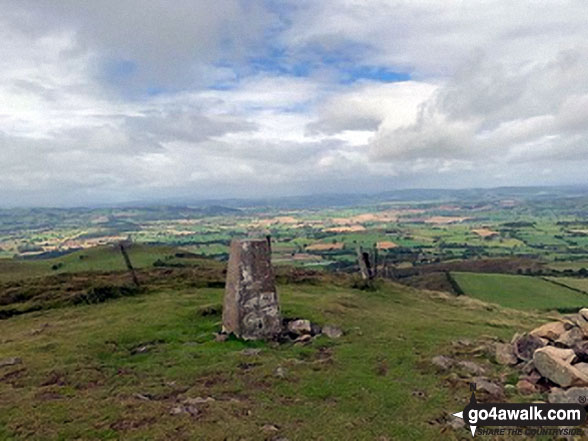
104 258
572 282
520 292
80 380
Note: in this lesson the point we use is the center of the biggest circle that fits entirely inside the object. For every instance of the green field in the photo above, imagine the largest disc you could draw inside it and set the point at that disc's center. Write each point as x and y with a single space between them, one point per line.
520 292
572 282
105 258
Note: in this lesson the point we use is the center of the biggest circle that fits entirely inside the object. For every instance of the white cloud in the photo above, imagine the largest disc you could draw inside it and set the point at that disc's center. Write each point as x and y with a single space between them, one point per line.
117 100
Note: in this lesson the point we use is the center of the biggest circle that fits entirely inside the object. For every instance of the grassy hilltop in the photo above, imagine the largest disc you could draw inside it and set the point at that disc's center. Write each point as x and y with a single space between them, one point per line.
118 369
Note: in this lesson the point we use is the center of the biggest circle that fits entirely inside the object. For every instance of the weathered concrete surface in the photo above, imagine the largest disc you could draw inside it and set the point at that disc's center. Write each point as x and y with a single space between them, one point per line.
251 310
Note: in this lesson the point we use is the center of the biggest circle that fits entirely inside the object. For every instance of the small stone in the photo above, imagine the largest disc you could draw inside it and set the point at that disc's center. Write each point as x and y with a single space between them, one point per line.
584 313
551 331
315 329
443 362
303 339
582 367
471 367
11 361
179 410
144 397
251 352
485 385
571 337
456 423
220 337
332 331
532 377
198 400
280 372
526 345
554 364
572 395
526 367
270 428
300 327
526 387
505 354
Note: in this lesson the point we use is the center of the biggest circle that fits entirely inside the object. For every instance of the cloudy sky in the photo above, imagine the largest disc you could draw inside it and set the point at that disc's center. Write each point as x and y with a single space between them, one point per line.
123 100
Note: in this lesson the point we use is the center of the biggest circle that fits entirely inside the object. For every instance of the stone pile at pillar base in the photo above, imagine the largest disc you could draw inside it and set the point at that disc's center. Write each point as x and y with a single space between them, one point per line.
251 310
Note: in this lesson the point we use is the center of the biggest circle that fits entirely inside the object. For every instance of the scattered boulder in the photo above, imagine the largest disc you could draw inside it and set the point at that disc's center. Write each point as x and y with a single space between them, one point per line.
270 428
11 361
551 331
526 345
220 337
198 400
471 367
525 387
485 385
582 367
584 313
581 350
554 364
332 331
443 362
571 395
570 338
505 354
183 409
300 327
250 352
305 338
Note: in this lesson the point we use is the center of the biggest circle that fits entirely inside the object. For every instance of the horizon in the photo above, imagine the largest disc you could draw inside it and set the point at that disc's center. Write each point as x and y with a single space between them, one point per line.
211 202
237 99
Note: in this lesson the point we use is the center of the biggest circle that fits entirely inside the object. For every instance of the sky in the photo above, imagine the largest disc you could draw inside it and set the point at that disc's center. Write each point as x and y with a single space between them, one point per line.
147 100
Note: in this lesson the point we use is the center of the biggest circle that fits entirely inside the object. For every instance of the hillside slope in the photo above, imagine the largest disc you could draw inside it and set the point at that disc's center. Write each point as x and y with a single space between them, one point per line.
122 369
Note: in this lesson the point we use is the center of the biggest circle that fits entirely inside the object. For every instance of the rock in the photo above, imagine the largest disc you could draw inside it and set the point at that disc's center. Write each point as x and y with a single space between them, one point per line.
526 345
581 350
315 329
11 361
571 337
485 385
443 362
280 372
582 367
332 331
249 352
572 395
515 337
584 313
299 327
526 387
554 364
198 400
270 428
552 331
471 367
505 354
303 338
220 337
179 410
532 377
526 367
251 309
576 320
456 423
